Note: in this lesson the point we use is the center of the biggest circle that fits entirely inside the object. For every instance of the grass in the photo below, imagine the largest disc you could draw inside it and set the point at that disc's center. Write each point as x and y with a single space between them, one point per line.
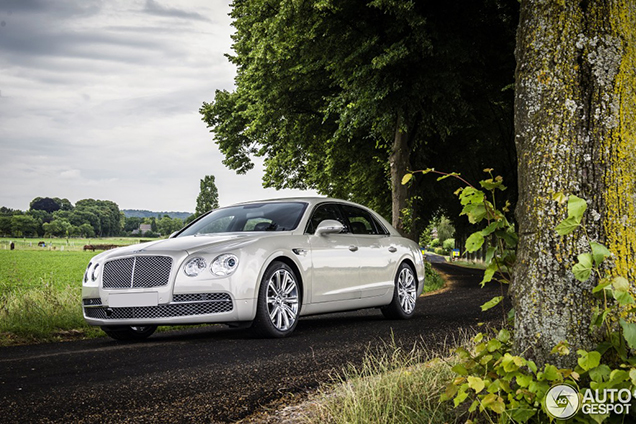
392 385
40 295
62 244
432 281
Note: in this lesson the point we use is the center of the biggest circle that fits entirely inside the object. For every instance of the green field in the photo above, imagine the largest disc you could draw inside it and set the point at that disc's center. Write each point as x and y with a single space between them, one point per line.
41 287
62 244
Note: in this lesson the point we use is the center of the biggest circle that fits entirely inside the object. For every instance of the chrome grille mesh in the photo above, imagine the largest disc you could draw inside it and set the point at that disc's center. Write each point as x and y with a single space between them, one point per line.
201 297
161 311
137 272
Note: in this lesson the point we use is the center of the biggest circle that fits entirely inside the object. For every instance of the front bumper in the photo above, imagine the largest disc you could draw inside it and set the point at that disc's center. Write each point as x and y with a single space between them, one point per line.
191 308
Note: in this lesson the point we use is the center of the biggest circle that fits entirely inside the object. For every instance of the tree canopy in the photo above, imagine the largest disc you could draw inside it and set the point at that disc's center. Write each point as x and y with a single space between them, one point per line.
330 92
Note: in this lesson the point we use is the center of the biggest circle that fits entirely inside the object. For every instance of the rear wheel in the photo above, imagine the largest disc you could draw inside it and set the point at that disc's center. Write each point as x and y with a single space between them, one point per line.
402 305
278 302
130 333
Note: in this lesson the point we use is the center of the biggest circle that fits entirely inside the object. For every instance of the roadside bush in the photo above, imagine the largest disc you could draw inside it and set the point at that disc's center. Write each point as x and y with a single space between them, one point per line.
432 281
439 250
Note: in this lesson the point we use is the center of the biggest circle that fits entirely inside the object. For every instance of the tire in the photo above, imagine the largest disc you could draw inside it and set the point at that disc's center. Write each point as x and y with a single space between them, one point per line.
278 302
402 305
129 333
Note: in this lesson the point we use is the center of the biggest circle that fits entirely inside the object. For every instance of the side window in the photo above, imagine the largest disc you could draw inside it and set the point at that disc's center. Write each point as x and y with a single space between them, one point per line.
361 221
322 212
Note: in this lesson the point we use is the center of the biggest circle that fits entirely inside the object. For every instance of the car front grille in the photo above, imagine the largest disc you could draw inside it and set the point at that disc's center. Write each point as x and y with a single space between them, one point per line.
137 272
209 303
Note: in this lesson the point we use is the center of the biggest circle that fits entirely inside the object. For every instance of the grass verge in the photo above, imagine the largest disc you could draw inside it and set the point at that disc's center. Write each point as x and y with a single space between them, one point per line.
432 281
393 385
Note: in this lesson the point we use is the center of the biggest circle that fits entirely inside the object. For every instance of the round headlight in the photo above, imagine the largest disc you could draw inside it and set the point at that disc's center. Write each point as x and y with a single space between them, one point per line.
194 266
95 272
224 265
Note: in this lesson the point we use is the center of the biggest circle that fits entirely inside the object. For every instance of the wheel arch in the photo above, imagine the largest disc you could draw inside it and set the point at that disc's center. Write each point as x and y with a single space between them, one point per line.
411 265
290 263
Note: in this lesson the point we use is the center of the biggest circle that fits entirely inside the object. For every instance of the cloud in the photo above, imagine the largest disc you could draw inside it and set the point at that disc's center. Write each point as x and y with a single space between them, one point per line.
154 8
100 100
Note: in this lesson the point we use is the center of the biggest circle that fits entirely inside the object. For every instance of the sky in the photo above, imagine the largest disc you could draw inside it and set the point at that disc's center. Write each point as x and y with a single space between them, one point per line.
99 99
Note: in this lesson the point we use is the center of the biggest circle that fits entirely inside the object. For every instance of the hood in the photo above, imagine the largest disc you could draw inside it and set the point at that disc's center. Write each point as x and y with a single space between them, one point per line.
191 244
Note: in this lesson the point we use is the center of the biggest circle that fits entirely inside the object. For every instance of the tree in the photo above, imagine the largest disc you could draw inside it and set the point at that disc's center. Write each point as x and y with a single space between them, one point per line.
208 198
345 96
23 225
575 121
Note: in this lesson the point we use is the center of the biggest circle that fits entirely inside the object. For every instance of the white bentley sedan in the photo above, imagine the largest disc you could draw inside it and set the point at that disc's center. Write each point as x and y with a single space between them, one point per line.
260 264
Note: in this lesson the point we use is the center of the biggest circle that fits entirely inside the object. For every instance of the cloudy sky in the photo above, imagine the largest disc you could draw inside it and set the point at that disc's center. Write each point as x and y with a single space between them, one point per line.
99 99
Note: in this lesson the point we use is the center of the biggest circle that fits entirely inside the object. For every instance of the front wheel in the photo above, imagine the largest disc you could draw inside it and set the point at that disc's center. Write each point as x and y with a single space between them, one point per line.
278 302
129 333
402 305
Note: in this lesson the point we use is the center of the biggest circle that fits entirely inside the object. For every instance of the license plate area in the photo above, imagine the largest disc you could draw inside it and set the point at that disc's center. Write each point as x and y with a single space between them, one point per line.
124 300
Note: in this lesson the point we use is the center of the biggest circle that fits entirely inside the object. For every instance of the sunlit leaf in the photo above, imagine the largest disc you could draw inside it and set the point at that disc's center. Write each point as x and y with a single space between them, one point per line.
474 242
491 303
406 178
599 252
576 207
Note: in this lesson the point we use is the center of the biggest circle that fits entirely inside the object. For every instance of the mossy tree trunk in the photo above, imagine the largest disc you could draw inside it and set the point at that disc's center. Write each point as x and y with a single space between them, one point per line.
575 119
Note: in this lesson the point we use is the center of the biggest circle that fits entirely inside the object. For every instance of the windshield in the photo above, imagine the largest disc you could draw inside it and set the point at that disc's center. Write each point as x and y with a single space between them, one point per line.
253 217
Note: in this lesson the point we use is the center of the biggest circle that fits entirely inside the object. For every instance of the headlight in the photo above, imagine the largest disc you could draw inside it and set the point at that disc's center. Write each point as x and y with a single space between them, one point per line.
224 265
95 272
86 273
194 266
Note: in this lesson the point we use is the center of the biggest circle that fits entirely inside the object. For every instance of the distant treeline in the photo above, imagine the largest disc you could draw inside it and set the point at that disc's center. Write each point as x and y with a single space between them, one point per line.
138 213
87 218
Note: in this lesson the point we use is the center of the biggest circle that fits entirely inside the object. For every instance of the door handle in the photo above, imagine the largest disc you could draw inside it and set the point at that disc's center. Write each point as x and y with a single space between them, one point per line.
353 248
392 249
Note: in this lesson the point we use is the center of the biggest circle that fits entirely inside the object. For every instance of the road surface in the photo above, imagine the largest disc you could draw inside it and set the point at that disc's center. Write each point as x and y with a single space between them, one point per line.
217 374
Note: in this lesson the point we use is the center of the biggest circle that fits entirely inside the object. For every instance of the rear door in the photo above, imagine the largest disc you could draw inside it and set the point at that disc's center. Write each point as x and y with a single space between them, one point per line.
376 258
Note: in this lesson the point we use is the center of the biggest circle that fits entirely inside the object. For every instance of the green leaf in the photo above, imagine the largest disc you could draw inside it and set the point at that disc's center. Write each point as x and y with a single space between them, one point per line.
576 208
567 226
599 252
588 360
489 272
629 333
491 303
602 285
490 253
493 345
583 269
504 335
471 195
491 228
460 369
551 372
476 383
620 284
452 174
475 212
600 373
474 242
521 415
406 178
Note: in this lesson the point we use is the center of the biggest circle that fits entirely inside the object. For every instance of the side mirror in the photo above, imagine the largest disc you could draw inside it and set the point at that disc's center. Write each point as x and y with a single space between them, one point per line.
329 226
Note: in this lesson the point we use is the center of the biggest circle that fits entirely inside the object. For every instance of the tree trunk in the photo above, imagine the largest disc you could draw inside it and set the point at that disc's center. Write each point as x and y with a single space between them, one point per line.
399 165
575 123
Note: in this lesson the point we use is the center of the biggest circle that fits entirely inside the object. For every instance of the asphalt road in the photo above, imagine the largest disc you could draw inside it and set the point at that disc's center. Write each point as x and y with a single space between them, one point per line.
217 374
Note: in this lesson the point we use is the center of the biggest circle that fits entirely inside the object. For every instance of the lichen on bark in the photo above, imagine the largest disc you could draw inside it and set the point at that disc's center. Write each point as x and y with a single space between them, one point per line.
574 119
